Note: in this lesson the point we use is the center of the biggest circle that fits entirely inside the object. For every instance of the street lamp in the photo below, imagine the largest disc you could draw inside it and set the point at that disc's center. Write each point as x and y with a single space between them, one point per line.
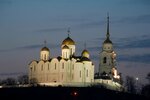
136 78
137 90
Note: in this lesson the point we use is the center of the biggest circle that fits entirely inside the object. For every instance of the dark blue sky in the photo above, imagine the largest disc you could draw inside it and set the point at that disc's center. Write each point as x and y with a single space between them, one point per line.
25 24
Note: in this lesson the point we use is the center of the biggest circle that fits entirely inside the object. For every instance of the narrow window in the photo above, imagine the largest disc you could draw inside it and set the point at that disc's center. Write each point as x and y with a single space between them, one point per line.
41 67
48 67
55 66
72 76
62 76
104 60
71 51
73 66
34 67
62 65
86 73
45 56
31 69
80 74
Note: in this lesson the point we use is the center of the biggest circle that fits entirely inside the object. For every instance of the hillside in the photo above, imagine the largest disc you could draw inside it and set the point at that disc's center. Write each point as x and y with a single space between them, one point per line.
66 93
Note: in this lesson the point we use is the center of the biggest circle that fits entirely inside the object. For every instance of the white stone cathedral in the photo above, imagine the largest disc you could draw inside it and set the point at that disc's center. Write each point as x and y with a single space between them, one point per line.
63 70
69 69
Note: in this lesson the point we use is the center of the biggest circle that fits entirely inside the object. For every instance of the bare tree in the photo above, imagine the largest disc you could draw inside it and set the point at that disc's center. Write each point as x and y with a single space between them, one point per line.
9 81
130 84
33 81
148 77
146 89
23 79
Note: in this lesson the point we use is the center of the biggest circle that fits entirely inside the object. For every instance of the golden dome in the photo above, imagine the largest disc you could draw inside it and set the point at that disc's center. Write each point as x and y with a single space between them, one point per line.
44 49
85 53
68 41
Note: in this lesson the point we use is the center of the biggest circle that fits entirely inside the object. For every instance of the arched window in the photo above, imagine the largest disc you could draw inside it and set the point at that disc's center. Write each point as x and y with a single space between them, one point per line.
86 73
55 66
80 74
62 76
71 51
48 67
45 56
73 67
104 60
63 65
34 67
41 67
72 76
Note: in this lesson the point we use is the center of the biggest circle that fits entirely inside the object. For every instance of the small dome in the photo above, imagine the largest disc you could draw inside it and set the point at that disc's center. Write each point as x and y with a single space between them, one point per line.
85 53
68 41
65 47
44 49
108 41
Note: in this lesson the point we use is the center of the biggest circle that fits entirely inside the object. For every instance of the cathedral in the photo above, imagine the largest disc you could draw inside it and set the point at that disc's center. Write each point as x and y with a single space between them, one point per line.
70 69
65 69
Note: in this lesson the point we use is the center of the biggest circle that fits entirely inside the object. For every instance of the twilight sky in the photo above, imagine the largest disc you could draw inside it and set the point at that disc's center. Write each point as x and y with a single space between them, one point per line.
25 24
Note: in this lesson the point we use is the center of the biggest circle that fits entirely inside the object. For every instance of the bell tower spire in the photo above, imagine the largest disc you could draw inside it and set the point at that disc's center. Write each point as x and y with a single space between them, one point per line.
107 35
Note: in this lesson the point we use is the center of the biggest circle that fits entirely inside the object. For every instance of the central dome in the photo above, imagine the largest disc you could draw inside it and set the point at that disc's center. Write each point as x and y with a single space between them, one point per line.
44 49
68 41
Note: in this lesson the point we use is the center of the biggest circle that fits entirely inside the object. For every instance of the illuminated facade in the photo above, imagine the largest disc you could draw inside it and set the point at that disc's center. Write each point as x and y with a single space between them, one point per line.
69 69
107 66
65 69
108 75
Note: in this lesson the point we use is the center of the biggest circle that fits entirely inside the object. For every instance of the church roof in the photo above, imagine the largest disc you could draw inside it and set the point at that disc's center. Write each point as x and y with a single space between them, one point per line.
68 41
85 59
45 49
108 40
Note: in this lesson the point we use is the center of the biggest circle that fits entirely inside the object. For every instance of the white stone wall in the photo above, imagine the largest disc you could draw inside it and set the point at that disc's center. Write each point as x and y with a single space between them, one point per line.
63 71
109 62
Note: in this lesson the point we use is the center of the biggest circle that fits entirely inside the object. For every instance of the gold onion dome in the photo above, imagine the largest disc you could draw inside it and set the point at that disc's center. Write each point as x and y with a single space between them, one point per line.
44 49
68 41
85 52
65 47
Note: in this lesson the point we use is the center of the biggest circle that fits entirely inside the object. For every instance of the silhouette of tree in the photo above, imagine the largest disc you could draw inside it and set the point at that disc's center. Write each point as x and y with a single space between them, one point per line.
148 77
9 81
146 89
0 82
33 81
130 84
23 79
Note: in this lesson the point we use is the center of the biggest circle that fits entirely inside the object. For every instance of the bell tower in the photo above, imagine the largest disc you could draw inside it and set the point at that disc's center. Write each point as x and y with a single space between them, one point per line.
107 59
